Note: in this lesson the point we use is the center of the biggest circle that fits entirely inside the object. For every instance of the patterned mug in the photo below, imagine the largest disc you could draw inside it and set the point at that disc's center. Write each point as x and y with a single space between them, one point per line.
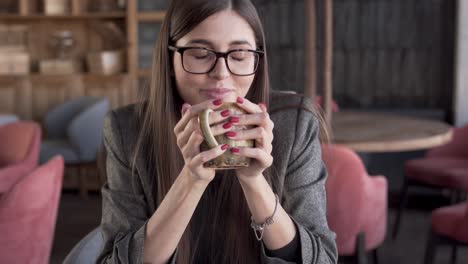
227 160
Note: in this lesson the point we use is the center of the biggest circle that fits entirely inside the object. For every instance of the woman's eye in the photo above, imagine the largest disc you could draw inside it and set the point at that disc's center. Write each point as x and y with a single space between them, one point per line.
200 57
238 58
198 54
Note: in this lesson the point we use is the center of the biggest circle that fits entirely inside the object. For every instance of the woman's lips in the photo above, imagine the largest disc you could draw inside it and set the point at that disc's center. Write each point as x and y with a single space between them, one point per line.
216 93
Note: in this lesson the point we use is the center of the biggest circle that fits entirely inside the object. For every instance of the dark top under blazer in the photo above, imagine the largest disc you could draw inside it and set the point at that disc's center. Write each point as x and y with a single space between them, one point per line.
127 199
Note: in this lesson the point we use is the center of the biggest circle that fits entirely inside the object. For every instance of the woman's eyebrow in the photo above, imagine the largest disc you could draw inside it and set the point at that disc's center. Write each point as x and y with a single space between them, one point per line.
200 41
240 42
209 43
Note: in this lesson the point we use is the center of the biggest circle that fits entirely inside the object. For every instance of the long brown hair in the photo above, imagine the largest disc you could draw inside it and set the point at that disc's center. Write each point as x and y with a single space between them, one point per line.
219 231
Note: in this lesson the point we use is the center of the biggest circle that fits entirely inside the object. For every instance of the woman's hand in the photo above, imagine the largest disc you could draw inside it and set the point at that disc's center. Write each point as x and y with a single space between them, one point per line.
189 137
260 156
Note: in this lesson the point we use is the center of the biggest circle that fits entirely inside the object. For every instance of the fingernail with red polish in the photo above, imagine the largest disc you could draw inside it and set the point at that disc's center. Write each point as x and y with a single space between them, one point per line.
218 102
225 113
227 125
231 134
234 119
235 150
262 103
240 100
224 147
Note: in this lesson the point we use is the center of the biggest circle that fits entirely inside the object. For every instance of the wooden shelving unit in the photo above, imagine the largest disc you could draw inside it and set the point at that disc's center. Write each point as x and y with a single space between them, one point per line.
31 95
106 15
146 16
144 72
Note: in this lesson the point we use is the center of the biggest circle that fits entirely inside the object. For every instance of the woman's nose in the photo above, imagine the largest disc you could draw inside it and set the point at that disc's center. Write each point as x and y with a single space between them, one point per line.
220 71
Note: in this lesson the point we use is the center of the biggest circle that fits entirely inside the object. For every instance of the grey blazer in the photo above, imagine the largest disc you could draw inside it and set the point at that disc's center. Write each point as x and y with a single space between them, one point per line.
296 150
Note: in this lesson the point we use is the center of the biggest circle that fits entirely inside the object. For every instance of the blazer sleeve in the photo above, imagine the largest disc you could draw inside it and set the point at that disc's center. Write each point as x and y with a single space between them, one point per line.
304 188
124 208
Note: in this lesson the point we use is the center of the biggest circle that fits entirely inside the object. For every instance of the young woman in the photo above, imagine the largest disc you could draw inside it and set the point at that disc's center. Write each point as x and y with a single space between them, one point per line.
160 205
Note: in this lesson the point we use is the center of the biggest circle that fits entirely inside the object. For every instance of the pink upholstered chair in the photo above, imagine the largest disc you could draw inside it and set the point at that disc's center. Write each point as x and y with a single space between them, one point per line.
28 213
19 151
356 203
449 225
444 167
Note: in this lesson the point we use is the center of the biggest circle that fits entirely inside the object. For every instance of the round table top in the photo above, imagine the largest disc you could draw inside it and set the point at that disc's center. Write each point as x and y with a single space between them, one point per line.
380 132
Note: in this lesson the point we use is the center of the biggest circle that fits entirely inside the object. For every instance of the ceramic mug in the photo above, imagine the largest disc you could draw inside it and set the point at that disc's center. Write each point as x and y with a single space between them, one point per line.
227 160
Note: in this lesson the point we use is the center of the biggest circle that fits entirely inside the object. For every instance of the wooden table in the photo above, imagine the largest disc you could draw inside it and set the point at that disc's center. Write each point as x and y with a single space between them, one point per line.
380 132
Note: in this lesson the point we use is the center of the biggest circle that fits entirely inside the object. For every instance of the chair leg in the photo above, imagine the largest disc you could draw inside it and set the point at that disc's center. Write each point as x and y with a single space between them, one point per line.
375 257
83 185
431 248
401 207
454 253
361 249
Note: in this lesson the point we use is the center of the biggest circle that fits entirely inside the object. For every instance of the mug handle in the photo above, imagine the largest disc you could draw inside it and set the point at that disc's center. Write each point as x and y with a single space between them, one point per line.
205 128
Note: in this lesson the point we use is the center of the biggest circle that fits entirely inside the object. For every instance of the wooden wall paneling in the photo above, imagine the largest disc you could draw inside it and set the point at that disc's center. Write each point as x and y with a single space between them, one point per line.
116 88
437 79
353 67
15 96
298 24
339 74
383 18
298 76
339 24
417 81
368 72
367 24
352 30
394 65
284 32
404 84
380 91
52 90
407 30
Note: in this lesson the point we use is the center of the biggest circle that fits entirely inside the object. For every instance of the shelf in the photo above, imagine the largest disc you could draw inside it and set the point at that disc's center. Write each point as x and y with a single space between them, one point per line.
157 16
81 74
67 16
145 72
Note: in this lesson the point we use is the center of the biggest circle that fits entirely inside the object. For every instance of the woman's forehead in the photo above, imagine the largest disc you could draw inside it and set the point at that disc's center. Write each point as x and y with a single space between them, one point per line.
223 29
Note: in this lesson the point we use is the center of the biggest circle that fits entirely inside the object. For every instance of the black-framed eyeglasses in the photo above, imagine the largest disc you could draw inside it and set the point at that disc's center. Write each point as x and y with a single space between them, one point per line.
199 60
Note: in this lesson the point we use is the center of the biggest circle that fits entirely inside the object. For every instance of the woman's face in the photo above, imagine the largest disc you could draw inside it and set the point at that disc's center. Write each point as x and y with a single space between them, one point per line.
221 32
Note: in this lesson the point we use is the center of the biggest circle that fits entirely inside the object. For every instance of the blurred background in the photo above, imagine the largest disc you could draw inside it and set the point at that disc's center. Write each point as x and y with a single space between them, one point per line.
395 91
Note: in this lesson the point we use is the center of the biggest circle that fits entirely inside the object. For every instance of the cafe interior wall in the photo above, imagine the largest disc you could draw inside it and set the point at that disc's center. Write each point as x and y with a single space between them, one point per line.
461 93
393 55
387 55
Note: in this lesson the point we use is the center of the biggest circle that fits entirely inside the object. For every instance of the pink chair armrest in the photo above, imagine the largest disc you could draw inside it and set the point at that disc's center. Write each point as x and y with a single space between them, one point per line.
375 212
12 174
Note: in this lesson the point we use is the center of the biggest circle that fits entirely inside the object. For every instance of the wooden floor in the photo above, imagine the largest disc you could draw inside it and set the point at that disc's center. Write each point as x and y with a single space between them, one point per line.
78 216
